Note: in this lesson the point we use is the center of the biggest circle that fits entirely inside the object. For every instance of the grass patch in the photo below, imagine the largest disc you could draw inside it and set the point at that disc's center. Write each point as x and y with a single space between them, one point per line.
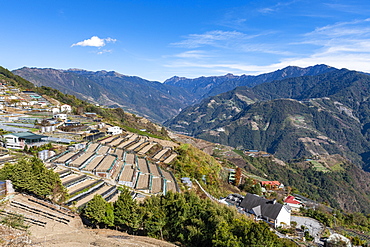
318 166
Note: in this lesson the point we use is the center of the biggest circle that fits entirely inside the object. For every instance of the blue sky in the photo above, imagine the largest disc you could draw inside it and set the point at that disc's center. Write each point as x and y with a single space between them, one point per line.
156 40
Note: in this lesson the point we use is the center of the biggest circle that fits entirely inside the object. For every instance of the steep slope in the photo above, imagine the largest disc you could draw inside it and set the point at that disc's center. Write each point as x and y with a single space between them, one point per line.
332 116
146 98
204 87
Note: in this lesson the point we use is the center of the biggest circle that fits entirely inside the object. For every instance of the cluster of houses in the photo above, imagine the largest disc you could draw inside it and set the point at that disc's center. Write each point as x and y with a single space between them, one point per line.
269 211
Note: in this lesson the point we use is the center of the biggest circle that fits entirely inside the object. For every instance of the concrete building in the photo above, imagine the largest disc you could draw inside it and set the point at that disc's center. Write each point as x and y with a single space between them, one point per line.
19 140
115 130
66 108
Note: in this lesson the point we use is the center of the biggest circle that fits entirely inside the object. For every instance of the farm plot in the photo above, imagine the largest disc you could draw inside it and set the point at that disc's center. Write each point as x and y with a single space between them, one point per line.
154 170
143 166
171 186
143 182
146 149
157 184
127 176
103 150
130 159
94 163
69 178
84 184
105 164
100 191
119 153
170 158
92 147
80 160
107 140
115 142
63 159
161 153
318 166
118 169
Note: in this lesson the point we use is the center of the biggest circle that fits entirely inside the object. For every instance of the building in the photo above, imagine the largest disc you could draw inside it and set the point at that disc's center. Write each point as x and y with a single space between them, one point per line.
274 185
61 116
19 140
233 200
116 130
270 211
293 203
55 110
66 108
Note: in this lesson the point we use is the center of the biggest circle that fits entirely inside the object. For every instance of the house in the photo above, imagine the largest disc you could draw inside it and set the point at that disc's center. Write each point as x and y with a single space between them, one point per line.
66 108
115 130
274 185
19 140
292 202
55 110
270 211
61 116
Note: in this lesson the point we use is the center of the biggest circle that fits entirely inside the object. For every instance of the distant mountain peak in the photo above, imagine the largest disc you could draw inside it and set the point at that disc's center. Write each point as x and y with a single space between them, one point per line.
174 79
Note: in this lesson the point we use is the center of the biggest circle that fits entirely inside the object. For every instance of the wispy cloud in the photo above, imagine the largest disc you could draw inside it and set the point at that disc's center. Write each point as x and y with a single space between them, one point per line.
104 51
196 54
94 41
211 38
276 7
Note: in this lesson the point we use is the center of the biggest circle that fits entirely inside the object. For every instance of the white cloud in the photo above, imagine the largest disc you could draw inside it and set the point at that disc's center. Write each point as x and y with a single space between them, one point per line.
104 51
211 38
94 41
197 54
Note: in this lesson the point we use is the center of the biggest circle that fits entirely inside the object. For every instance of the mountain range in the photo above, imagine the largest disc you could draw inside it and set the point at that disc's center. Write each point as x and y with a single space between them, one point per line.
291 118
292 113
154 100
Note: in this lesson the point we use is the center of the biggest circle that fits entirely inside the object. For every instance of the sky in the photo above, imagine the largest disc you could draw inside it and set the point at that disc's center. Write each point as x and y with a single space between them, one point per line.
159 39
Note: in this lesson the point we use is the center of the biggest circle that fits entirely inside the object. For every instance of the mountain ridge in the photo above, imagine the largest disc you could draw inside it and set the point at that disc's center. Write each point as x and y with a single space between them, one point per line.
334 105
151 99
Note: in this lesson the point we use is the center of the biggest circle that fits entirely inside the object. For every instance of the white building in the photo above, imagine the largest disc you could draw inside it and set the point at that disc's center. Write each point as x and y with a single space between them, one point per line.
115 130
55 110
19 140
61 116
66 108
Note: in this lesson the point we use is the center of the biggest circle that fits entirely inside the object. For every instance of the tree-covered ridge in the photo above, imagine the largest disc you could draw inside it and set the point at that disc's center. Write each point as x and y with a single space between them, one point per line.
183 218
30 175
334 106
151 99
115 116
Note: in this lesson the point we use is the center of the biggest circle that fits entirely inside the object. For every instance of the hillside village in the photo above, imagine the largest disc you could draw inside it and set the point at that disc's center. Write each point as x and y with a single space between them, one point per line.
93 157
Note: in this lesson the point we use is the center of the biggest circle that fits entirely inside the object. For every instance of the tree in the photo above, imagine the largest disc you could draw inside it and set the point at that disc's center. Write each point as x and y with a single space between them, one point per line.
238 176
126 213
31 175
99 211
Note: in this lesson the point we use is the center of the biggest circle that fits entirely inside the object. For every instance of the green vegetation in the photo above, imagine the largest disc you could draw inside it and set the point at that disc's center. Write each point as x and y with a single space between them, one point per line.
184 219
35 149
14 220
194 163
30 175
330 188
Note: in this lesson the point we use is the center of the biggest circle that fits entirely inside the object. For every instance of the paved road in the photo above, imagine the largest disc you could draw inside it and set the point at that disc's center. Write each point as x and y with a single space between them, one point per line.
314 227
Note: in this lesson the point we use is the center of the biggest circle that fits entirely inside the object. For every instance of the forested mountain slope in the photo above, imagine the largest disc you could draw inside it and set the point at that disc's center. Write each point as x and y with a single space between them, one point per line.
291 118
150 99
